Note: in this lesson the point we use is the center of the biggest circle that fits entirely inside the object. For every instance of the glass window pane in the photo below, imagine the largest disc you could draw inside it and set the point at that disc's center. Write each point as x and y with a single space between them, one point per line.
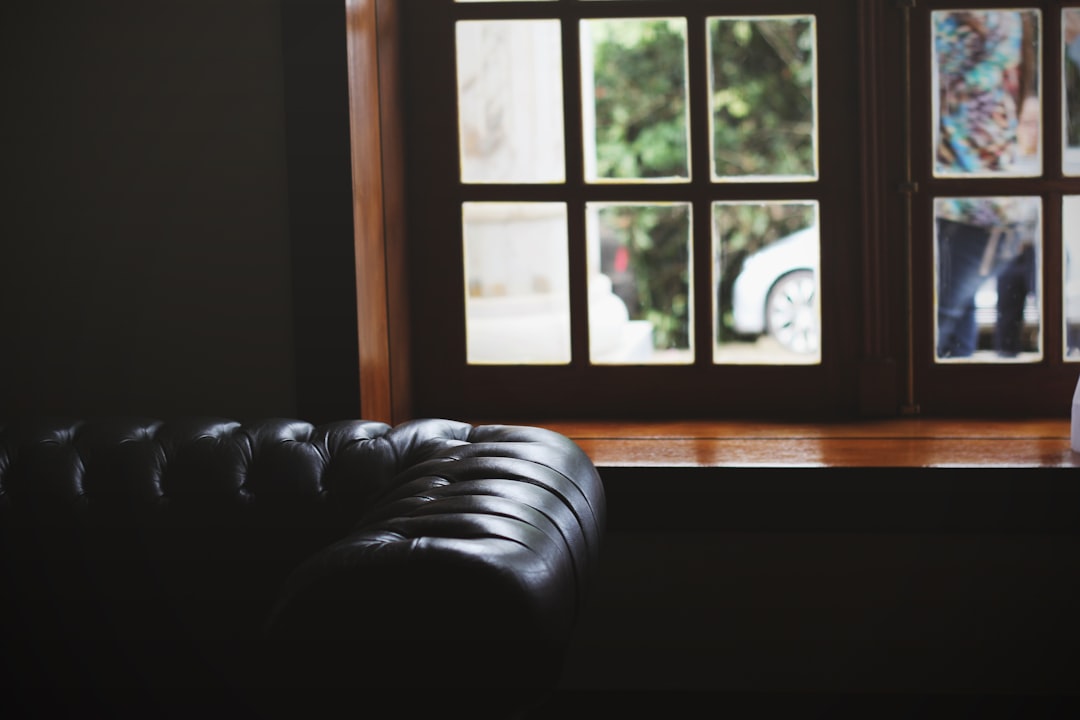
635 99
640 284
987 256
986 100
517 305
1070 237
765 282
763 98
1070 78
510 110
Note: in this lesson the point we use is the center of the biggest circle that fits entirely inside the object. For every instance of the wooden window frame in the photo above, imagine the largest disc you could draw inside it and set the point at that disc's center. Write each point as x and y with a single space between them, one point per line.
375 114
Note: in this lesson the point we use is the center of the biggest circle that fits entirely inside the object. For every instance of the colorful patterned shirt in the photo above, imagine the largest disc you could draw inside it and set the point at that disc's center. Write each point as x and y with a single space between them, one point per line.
978 55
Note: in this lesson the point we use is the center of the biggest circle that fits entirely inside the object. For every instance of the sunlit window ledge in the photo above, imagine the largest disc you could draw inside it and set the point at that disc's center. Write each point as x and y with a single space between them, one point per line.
890 443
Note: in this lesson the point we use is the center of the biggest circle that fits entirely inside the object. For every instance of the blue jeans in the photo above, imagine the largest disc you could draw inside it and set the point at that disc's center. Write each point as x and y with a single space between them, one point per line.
965 261
1014 283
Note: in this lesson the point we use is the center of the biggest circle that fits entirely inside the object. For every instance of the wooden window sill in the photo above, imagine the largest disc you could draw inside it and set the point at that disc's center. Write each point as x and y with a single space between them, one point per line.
891 443
896 475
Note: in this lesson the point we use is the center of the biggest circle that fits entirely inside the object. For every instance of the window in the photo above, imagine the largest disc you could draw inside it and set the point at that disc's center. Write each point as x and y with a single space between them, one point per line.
993 90
629 208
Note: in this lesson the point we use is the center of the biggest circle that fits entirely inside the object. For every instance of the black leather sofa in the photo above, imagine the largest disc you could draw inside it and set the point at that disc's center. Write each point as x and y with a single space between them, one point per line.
276 568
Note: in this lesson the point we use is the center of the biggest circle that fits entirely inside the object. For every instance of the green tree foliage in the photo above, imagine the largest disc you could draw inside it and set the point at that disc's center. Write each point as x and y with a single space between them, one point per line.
763 112
640 84
763 125
762 96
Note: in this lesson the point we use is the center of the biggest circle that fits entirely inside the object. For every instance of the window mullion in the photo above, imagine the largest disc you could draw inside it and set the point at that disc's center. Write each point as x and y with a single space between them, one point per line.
1051 280
574 190
704 294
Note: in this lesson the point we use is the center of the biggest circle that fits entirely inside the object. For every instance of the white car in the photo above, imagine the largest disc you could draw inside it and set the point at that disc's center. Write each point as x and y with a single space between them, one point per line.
776 293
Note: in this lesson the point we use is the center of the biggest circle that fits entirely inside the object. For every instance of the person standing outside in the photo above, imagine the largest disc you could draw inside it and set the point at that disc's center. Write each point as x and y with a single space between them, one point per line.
980 81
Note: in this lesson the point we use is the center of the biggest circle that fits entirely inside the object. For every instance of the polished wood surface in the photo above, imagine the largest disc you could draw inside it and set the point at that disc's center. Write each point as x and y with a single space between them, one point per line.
378 207
873 443
365 133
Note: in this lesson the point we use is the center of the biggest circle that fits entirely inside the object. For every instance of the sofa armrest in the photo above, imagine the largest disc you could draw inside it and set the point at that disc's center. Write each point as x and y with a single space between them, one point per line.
474 563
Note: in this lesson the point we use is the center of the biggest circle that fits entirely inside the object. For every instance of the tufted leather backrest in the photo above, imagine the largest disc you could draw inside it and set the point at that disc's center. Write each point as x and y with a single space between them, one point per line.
223 470
316 535
78 466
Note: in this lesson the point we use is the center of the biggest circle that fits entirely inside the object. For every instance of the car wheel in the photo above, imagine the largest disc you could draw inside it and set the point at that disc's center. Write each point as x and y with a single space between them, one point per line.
791 312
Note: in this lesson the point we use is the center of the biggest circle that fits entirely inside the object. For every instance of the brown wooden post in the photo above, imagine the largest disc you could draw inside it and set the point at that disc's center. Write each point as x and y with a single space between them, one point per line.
378 207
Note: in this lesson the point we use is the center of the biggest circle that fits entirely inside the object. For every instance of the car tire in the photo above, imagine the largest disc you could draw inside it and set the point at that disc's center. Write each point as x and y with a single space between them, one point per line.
791 315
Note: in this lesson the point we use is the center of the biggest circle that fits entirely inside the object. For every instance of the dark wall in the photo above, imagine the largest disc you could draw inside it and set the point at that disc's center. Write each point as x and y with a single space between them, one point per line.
146 227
